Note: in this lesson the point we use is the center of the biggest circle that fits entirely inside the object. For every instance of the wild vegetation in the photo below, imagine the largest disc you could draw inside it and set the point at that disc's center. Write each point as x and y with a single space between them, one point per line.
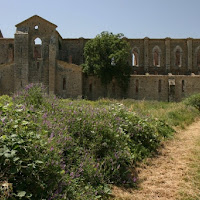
194 101
106 57
174 114
52 148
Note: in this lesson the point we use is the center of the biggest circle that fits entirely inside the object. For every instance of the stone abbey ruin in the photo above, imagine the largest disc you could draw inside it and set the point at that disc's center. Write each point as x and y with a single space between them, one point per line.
162 69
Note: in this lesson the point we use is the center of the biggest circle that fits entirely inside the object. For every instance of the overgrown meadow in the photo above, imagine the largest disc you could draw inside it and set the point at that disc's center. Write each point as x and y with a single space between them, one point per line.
63 149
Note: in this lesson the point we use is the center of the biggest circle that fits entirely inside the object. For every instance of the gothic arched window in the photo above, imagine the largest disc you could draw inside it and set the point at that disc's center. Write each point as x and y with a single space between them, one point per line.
135 57
178 56
64 83
37 51
156 56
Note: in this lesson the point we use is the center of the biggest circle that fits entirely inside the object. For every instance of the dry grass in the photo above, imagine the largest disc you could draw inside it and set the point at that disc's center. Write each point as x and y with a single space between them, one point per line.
190 190
167 176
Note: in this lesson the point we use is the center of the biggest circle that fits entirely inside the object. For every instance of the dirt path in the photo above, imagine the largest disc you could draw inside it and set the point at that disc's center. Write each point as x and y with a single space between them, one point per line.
163 177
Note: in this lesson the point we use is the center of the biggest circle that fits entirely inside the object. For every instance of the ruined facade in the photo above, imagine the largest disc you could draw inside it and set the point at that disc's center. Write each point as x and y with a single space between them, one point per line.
162 69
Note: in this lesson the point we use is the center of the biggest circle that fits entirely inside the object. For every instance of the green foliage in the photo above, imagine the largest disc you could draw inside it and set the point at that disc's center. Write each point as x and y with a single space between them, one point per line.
31 95
145 134
25 153
163 128
106 56
172 113
194 101
5 99
63 149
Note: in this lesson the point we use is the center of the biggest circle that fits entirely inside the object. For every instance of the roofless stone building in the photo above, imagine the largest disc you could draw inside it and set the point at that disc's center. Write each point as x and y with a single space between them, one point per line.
162 69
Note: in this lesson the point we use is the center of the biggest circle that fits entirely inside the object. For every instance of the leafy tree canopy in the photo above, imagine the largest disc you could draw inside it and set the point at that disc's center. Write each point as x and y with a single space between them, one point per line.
106 56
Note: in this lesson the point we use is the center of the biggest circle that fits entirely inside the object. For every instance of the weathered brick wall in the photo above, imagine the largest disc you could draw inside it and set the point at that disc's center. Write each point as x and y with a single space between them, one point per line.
93 89
39 68
6 50
21 61
183 45
149 87
71 87
167 48
71 50
195 48
6 79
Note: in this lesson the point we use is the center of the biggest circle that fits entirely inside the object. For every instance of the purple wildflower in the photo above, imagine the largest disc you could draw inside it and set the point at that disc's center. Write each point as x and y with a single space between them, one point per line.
52 135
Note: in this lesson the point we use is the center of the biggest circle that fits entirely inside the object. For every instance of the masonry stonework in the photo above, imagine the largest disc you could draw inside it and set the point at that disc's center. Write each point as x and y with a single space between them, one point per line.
162 69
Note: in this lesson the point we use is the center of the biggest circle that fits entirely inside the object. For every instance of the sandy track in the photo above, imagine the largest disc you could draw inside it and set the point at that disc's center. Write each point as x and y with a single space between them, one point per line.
163 177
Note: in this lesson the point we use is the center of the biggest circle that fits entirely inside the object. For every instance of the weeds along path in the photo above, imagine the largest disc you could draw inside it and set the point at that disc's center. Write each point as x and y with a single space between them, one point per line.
163 176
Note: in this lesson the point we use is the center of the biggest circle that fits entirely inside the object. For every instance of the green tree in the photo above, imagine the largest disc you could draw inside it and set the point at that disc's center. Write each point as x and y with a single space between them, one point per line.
106 56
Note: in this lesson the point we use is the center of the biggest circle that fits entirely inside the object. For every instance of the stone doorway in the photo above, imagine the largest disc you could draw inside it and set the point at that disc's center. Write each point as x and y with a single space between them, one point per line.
171 91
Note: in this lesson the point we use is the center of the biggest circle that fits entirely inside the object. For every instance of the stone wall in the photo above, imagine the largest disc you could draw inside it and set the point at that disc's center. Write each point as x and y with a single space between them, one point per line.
71 50
167 55
6 50
6 79
149 87
68 80
36 62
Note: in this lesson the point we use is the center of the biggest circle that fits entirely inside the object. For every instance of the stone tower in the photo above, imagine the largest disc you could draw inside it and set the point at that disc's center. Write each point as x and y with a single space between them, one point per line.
36 44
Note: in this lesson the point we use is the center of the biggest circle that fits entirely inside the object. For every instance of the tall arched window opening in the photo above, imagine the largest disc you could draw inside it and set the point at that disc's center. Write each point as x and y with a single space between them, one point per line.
156 56
183 86
178 56
135 59
38 65
37 51
64 83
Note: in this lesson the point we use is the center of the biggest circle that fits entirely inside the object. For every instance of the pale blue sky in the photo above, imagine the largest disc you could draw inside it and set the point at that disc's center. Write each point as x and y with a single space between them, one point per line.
87 18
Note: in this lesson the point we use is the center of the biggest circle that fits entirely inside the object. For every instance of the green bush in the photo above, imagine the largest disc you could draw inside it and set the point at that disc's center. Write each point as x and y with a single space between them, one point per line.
4 99
63 149
33 94
194 101
25 155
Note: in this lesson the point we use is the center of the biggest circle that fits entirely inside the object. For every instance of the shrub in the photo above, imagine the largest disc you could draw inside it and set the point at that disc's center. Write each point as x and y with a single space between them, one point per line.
62 149
33 94
25 154
163 128
194 101
4 99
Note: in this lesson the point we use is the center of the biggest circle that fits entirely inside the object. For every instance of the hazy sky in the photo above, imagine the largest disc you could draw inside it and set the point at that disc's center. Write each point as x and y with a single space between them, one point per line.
87 18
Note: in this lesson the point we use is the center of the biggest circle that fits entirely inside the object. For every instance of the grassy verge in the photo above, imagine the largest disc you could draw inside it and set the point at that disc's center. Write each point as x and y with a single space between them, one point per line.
193 178
174 114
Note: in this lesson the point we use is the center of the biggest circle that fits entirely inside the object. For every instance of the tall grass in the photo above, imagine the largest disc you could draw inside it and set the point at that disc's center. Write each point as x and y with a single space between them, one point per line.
64 149
174 114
